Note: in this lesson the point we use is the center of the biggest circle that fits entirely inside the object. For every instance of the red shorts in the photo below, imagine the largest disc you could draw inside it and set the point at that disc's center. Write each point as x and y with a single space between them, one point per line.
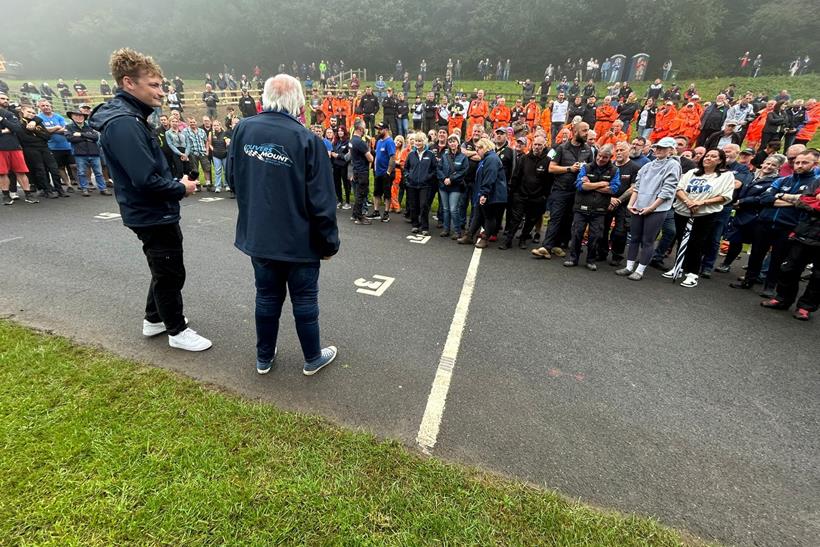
12 161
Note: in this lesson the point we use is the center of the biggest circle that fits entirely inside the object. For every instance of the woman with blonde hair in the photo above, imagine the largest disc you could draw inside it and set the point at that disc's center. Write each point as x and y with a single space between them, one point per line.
398 180
491 188
420 180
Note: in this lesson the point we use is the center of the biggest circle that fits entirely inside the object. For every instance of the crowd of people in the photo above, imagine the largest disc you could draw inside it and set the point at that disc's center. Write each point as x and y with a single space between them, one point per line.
614 171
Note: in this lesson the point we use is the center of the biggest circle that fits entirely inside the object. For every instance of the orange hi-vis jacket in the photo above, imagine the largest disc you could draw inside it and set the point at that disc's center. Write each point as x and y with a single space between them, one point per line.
687 124
612 139
663 123
342 108
546 120
500 116
604 116
532 113
327 108
476 114
755 133
455 120
807 132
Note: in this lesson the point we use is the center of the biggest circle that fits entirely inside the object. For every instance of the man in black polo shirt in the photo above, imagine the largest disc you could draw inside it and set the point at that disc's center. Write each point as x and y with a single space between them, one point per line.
369 105
528 190
361 159
567 159
389 106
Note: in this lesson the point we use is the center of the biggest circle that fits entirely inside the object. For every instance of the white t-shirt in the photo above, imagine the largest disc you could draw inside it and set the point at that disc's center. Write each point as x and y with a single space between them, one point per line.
703 187
559 111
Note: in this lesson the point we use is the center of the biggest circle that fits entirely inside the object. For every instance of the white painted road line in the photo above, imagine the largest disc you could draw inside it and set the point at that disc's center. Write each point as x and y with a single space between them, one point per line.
433 413
10 239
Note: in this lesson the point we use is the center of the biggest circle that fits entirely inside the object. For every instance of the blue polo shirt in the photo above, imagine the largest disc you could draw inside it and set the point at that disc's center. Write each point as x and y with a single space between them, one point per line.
385 149
57 141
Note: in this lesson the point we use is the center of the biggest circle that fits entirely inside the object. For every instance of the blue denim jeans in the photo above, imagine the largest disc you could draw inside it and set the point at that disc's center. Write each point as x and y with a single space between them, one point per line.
403 126
451 211
273 279
219 173
713 245
83 164
668 233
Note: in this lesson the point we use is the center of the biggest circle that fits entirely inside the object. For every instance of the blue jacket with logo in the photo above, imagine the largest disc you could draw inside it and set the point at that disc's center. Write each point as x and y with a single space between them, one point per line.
283 181
146 192
490 179
784 217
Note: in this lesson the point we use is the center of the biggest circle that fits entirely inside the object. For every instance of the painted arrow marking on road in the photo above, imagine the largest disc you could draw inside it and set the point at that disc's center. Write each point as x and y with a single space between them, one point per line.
421 240
374 288
210 200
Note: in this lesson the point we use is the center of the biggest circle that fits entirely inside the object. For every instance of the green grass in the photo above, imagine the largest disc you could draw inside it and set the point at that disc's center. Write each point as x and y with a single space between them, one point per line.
97 450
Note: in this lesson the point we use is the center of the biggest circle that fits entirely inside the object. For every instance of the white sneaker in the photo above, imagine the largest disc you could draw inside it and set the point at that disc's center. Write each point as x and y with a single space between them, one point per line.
14 195
152 329
189 340
217 190
690 281
670 273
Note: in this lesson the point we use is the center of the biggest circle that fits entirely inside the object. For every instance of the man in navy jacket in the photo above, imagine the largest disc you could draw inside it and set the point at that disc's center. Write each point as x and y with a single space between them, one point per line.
146 192
283 181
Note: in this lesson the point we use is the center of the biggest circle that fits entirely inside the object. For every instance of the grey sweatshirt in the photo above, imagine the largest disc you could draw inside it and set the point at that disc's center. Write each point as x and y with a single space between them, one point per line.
657 179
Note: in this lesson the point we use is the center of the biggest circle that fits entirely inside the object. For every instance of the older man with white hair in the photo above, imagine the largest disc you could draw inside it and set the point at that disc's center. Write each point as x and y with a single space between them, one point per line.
283 181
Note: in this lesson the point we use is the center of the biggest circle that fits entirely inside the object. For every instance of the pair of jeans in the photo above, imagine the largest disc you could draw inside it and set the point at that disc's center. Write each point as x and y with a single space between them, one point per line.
403 124
273 280
340 181
219 172
450 210
580 221
724 217
668 234
84 163
162 246
798 256
559 228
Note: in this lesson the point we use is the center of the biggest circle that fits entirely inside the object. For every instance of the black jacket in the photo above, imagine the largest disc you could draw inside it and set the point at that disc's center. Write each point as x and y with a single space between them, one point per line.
36 138
531 180
589 115
808 228
389 105
748 205
146 192
87 143
713 140
420 172
247 106
369 104
402 109
10 140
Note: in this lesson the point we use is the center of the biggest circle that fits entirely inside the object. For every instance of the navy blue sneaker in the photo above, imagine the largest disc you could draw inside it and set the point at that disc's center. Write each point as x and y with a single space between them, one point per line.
264 368
328 355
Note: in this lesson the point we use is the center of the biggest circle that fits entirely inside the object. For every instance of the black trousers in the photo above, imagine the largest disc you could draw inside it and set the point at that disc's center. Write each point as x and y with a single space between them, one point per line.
698 239
390 121
362 188
559 228
419 207
162 245
519 211
369 122
580 221
798 256
488 216
341 181
616 234
41 164
766 237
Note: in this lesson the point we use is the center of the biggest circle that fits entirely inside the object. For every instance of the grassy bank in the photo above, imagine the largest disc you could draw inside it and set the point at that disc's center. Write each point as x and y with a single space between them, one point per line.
97 450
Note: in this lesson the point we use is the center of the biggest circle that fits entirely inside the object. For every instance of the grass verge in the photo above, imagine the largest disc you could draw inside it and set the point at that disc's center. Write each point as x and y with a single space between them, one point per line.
97 450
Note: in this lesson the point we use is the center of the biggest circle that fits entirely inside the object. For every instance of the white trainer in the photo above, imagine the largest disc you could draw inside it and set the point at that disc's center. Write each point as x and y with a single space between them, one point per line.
189 340
153 329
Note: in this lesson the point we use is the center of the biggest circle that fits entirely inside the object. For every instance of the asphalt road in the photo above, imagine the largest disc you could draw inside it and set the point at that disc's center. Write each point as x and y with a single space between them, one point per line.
695 406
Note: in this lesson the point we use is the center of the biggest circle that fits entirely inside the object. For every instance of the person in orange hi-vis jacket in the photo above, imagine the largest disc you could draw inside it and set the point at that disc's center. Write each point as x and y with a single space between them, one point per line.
532 113
342 108
354 108
546 121
328 108
477 112
663 121
755 133
401 157
687 123
500 115
604 116
807 132
456 119
614 135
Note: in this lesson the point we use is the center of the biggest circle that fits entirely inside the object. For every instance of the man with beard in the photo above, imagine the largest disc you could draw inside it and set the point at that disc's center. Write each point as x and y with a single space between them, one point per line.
389 107
369 106
566 161
528 190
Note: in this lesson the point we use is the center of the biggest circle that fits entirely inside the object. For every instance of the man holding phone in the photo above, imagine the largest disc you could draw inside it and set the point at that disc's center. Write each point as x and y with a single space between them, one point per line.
147 192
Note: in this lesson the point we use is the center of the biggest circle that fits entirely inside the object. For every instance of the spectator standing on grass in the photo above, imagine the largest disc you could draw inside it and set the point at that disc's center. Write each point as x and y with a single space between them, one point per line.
147 193
282 178
210 99
247 106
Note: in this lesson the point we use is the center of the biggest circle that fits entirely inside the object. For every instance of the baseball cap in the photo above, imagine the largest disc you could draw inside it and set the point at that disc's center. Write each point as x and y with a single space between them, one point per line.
666 142
381 125
501 130
748 151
